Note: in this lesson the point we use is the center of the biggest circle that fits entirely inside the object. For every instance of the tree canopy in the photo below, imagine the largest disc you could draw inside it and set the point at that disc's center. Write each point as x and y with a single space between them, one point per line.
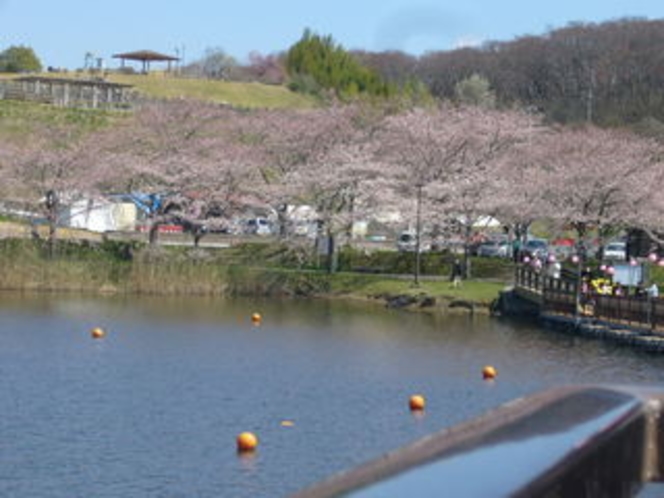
19 59
317 62
610 74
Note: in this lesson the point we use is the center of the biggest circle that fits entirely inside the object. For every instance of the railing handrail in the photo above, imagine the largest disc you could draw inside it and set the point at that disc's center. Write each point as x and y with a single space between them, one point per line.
560 295
594 441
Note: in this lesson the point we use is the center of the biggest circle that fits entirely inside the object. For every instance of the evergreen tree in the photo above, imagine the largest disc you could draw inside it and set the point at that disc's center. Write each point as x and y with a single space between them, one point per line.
317 63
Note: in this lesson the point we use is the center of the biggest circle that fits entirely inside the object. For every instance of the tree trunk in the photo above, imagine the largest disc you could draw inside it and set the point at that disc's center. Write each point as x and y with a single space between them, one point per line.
466 251
153 234
282 218
331 253
52 218
418 238
52 227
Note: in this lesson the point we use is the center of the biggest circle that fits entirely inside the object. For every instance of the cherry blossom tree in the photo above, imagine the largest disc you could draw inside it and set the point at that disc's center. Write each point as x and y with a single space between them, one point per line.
419 149
55 164
491 139
320 158
600 178
188 155
518 181
447 157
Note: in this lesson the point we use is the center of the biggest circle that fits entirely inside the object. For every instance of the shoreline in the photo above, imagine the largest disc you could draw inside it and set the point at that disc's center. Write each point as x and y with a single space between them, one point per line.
641 338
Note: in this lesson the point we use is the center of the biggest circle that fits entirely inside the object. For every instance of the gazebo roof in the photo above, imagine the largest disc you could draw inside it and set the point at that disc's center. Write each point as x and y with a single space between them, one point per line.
145 56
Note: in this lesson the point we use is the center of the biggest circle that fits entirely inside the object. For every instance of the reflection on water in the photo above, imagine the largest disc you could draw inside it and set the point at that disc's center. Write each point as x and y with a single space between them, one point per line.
153 409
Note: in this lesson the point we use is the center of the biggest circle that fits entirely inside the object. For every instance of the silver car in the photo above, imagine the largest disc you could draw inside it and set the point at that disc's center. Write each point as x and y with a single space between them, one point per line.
535 248
494 249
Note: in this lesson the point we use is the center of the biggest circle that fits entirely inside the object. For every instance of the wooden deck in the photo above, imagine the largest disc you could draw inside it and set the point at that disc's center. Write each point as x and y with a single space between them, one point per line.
560 296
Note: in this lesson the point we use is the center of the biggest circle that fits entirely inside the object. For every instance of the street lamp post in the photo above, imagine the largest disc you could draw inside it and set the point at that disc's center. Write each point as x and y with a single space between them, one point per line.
579 259
52 203
577 291
652 293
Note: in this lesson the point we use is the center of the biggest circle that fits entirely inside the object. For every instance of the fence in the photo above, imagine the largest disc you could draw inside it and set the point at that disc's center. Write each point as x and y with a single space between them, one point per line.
561 295
68 92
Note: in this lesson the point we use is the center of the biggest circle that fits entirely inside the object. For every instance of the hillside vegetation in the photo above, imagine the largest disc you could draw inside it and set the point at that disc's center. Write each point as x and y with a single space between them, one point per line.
18 120
254 95
160 85
610 74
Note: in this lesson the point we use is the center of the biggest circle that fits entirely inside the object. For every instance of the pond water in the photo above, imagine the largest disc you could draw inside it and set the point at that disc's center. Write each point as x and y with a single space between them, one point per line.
153 409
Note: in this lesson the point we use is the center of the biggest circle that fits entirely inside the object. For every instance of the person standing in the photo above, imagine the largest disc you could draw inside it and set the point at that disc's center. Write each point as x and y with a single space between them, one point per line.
516 250
653 291
457 273
554 268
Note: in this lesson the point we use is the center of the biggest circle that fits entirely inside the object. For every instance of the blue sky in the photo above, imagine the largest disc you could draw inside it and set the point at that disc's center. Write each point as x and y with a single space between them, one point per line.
62 31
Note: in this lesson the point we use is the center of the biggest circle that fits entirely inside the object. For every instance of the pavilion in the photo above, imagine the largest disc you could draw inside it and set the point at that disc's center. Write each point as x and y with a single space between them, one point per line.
146 57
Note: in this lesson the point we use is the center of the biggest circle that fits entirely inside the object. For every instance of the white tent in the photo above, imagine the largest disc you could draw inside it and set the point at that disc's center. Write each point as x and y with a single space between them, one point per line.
100 215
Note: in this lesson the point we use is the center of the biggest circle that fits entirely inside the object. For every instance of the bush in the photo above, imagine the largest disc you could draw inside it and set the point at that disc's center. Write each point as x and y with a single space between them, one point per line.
431 263
19 59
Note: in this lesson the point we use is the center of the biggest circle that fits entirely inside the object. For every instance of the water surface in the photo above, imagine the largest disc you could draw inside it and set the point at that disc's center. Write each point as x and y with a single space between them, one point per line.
153 409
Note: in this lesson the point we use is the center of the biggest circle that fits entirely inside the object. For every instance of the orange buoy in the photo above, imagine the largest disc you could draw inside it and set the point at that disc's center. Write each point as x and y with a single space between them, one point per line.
246 442
256 318
417 402
97 333
287 423
489 373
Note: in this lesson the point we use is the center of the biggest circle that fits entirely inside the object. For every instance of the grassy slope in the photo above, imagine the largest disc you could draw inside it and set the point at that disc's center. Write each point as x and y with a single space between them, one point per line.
237 94
159 85
19 119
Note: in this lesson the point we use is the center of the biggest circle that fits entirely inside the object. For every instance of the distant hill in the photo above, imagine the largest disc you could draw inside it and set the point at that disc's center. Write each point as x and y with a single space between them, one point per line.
610 73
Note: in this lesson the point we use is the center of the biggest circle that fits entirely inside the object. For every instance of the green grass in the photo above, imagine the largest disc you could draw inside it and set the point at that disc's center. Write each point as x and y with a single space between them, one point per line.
372 286
253 95
108 267
246 95
19 119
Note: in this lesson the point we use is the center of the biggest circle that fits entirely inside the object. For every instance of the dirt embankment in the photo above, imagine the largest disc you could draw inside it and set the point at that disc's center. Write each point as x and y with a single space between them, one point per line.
11 229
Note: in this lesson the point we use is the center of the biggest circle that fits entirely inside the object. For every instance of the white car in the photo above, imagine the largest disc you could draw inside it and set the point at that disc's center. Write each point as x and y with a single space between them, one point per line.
407 241
258 226
615 251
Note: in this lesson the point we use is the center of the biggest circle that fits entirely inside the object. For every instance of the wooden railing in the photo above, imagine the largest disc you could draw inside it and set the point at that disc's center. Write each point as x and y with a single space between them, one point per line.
559 295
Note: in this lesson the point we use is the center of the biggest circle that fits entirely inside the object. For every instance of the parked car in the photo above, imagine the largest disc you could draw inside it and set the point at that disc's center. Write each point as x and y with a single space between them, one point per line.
615 251
494 249
258 226
535 248
407 241
561 252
